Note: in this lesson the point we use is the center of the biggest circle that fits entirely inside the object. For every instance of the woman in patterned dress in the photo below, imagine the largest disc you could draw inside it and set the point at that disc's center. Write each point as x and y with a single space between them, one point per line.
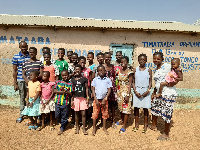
125 78
162 106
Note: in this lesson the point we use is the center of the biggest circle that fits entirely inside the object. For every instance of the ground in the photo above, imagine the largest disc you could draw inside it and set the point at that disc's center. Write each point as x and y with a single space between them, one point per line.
184 134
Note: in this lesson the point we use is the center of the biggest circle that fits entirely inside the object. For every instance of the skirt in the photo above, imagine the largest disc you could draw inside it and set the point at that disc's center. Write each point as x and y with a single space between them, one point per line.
47 108
163 107
32 111
79 104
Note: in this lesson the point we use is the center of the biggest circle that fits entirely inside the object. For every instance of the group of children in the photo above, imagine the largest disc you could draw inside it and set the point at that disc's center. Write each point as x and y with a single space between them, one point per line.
70 89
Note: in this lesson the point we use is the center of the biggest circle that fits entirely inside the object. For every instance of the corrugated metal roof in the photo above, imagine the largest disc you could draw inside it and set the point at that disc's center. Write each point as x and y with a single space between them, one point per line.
58 21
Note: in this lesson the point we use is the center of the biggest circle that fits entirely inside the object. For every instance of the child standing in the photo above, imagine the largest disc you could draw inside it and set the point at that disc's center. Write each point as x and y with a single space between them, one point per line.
47 105
32 65
110 73
74 60
32 100
100 59
101 88
142 83
80 98
62 90
52 68
117 63
46 50
90 58
61 62
174 75
125 79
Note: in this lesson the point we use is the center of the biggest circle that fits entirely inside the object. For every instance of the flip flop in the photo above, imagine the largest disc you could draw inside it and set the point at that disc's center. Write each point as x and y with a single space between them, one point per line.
39 128
52 128
144 131
28 123
31 127
135 129
122 130
19 120
35 127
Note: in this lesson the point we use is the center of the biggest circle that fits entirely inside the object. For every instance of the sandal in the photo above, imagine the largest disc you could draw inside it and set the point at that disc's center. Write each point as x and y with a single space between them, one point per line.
39 128
135 129
19 120
31 127
52 128
28 123
35 127
144 131
122 130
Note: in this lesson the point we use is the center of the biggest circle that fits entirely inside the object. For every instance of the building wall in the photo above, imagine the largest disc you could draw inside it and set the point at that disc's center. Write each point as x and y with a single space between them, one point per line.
184 46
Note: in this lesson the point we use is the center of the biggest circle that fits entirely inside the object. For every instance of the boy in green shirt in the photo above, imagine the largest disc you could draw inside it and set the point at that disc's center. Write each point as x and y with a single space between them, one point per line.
61 62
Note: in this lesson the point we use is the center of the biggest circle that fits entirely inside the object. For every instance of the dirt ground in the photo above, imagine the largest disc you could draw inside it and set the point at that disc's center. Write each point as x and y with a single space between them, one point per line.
184 134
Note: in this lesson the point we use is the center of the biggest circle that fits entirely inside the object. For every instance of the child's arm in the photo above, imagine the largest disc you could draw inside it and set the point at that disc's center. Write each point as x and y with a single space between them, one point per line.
87 94
106 98
134 88
162 84
94 94
150 84
27 98
24 76
36 96
58 92
180 76
52 94
93 75
154 93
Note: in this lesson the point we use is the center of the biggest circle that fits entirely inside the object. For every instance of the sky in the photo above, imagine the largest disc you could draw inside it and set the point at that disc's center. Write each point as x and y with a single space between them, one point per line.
186 11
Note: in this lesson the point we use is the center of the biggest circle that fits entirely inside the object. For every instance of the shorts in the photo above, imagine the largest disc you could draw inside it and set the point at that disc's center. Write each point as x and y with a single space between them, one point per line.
96 110
79 104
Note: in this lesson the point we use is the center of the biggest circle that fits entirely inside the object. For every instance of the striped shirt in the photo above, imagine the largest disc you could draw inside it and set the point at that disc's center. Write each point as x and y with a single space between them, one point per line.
64 98
31 66
18 60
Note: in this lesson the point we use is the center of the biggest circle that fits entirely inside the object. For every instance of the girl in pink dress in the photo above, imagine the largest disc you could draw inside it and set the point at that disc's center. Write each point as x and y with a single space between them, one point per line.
47 105
174 75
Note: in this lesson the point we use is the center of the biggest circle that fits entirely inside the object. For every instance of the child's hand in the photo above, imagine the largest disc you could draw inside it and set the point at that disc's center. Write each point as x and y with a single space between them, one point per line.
97 102
16 87
158 95
103 103
31 104
72 104
152 96
62 88
27 103
145 94
138 94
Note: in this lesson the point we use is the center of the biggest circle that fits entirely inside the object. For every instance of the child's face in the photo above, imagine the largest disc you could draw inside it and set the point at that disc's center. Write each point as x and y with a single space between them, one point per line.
142 60
61 54
101 71
82 63
64 75
90 57
74 58
69 55
47 57
77 71
46 51
118 56
100 59
32 53
107 58
33 76
45 76
124 63
23 46
157 60
175 64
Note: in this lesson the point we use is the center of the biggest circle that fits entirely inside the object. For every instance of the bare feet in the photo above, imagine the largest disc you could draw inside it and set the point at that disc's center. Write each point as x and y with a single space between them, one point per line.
106 132
154 128
60 132
163 137
77 130
84 131
94 132
114 125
